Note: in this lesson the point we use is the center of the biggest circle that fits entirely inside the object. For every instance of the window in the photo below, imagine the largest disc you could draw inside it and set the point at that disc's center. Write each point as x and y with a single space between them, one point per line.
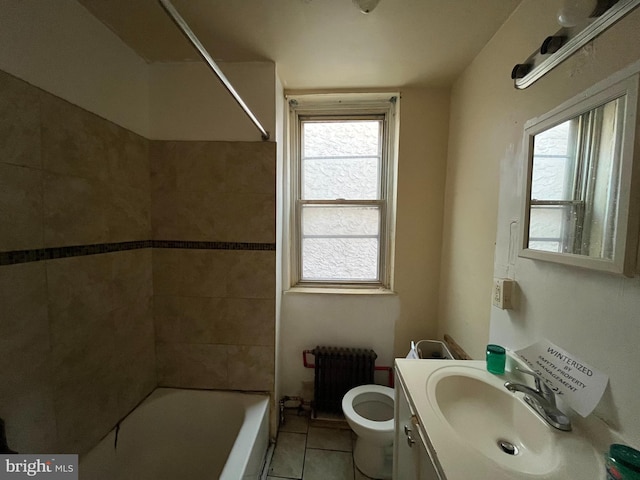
342 190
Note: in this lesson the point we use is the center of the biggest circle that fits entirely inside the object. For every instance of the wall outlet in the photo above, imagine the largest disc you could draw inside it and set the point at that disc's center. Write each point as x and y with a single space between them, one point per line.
502 293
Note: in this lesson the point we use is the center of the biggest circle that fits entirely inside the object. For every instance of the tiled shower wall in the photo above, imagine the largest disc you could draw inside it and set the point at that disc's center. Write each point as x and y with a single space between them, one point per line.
76 332
77 336
214 306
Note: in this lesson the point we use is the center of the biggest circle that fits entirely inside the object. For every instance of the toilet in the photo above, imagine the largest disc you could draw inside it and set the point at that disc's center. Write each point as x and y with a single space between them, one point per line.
369 411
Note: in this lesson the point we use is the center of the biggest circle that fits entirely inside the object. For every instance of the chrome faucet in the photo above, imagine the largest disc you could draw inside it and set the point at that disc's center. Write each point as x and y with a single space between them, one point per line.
542 400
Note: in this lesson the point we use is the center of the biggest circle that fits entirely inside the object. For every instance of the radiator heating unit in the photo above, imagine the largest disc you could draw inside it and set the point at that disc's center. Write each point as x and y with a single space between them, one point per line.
338 370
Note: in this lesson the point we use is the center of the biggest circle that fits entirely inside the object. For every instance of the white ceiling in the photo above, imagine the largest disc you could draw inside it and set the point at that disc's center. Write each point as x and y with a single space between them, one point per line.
318 44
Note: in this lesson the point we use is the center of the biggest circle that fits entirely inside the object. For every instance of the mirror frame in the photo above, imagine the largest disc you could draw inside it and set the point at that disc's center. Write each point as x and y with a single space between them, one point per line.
627 221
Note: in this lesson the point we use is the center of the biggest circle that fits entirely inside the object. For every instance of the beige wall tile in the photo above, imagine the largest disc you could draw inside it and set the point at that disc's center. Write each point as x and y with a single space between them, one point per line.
187 165
86 407
200 165
204 272
187 215
137 377
128 210
135 353
74 211
103 358
133 327
166 271
131 277
252 274
20 208
222 191
127 213
249 217
251 167
205 366
186 319
80 294
30 419
86 377
25 323
168 365
246 321
190 272
19 122
26 374
192 365
251 367
86 338
167 318
74 141
163 167
128 159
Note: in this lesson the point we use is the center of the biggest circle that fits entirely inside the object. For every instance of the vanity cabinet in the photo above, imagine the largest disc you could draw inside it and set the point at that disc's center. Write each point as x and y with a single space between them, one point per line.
411 459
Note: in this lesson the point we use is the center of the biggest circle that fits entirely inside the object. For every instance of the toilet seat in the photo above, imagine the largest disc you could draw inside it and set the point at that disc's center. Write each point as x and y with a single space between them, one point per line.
368 393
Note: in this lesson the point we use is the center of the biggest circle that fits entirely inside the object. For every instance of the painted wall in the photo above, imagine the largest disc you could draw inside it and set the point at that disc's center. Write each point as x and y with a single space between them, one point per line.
60 47
385 323
592 315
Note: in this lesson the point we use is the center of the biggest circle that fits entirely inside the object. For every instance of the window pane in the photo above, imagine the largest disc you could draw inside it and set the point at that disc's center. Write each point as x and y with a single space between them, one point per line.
340 220
546 228
341 138
341 159
553 164
340 259
340 242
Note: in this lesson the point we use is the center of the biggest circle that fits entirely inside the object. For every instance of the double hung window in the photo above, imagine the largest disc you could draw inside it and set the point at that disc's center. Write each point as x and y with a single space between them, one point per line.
343 191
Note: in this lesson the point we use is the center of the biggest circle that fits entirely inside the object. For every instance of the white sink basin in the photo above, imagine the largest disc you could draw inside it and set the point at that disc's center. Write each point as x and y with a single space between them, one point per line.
488 418
463 413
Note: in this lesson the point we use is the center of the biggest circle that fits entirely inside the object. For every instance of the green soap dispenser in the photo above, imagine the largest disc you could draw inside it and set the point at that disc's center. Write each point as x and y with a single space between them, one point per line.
623 463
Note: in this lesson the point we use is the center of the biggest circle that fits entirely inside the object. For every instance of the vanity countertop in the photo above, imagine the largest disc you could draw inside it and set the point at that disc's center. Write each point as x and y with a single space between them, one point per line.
463 436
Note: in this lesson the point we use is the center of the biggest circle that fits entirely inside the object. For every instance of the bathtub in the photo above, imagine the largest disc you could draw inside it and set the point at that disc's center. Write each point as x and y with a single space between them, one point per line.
185 434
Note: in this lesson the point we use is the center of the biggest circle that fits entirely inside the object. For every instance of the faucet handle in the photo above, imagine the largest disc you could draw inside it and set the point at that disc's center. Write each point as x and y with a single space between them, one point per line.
541 386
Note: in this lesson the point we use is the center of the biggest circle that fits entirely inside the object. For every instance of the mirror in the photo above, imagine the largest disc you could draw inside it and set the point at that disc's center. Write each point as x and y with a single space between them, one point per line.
578 205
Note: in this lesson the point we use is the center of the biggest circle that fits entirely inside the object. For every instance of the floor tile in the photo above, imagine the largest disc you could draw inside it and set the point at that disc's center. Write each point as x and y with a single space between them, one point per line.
329 439
295 423
288 456
327 465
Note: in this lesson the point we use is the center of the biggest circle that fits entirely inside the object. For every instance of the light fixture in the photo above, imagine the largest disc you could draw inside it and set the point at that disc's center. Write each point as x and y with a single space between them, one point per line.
366 6
575 12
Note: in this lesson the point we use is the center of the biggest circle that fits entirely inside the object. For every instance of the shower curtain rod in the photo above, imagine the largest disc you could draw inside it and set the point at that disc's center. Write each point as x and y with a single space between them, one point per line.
182 25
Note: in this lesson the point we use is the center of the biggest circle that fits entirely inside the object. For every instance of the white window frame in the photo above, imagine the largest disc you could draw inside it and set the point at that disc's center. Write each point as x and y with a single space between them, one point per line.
347 106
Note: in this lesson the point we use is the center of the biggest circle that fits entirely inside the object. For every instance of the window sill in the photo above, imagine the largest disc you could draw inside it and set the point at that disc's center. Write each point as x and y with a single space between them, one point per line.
340 291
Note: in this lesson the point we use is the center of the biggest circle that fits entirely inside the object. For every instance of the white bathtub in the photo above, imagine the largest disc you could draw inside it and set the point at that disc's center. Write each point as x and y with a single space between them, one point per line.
185 434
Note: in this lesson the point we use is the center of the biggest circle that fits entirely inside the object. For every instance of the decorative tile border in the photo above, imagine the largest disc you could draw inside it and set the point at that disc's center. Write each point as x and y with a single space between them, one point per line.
39 254
213 245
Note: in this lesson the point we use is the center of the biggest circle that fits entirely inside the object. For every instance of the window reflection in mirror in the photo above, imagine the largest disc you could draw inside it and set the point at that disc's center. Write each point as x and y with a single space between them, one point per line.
580 204
573 187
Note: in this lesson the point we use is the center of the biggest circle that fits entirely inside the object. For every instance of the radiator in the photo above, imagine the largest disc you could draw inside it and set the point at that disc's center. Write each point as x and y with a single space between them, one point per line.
338 370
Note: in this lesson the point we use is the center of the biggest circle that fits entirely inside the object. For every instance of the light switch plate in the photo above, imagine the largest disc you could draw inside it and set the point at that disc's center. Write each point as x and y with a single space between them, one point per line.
502 293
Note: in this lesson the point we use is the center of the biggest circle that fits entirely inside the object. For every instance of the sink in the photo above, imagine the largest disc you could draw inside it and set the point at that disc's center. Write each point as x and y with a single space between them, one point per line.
487 417
474 428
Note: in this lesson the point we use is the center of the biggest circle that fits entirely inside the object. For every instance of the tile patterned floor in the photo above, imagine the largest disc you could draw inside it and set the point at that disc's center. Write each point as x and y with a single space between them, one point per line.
313 451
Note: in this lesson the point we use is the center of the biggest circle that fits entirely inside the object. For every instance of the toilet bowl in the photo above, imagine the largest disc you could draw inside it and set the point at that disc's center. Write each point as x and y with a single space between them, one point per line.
368 410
